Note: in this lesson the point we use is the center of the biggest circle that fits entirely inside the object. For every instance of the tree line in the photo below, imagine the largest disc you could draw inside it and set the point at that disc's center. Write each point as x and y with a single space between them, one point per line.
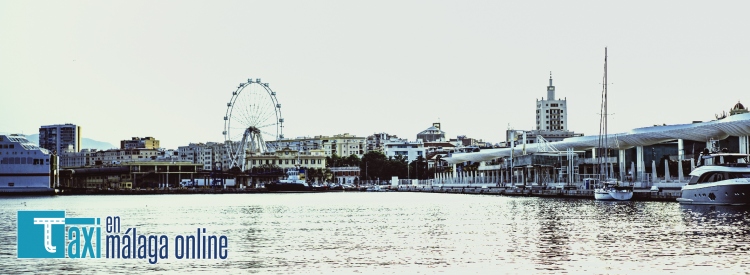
373 165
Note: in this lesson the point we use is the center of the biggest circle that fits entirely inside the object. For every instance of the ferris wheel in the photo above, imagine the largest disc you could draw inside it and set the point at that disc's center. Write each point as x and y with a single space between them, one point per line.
253 117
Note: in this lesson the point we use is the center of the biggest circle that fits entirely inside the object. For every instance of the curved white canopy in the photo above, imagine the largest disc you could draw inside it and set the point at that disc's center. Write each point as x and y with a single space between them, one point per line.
736 125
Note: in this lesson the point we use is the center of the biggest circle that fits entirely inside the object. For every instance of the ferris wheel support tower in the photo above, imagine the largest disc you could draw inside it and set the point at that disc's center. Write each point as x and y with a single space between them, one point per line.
253 117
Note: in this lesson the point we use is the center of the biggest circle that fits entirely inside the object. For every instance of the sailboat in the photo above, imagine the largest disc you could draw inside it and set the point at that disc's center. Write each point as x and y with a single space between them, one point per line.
609 188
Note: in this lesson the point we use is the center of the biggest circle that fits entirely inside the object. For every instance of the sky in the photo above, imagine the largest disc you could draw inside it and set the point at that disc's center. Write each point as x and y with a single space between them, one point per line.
166 69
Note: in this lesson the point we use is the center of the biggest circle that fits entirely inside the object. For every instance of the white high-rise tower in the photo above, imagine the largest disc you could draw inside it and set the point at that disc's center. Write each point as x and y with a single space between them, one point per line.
551 113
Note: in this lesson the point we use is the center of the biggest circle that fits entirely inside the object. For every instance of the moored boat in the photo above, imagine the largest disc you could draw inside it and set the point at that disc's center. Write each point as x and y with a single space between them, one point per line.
613 190
609 188
725 181
295 181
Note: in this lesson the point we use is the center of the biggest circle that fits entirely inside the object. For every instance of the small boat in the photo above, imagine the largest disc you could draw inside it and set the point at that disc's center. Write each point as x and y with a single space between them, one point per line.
374 188
725 180
295 181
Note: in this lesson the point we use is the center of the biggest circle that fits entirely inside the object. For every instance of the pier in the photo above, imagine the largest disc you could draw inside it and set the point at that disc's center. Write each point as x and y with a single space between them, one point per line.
638 195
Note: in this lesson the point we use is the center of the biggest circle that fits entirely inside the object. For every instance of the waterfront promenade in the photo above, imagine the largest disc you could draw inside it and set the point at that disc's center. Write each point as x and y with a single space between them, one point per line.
640 194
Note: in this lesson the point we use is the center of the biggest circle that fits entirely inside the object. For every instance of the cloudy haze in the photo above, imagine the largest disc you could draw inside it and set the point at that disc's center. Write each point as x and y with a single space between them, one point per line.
166 69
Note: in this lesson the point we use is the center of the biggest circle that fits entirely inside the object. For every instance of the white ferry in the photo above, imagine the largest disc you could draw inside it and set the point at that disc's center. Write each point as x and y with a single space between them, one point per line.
25 168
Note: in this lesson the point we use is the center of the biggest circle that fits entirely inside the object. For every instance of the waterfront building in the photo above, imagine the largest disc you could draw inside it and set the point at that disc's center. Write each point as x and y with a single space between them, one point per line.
76 159
211 155
288 158
436 151
124 168
345 175
401 147
127 175
658 156
342 145
464 141
432 134
298 144
551 121
140 143
60 138
112 157
551 113
738 109
376 141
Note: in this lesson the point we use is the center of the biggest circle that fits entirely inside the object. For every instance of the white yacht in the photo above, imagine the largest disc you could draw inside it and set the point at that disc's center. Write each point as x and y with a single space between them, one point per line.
724 182
613 190
25 168
609 188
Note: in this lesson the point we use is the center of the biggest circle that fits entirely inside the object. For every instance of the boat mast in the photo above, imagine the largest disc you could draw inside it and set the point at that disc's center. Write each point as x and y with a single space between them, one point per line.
603 142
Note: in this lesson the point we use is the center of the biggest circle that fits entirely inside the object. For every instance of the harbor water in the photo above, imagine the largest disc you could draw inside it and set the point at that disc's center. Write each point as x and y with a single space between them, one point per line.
405 233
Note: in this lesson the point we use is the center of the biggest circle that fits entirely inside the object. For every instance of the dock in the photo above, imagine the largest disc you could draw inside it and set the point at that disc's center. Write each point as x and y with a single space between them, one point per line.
638 194
168 191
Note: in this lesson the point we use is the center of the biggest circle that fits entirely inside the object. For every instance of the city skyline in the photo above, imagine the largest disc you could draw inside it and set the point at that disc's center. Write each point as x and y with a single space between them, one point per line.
167 69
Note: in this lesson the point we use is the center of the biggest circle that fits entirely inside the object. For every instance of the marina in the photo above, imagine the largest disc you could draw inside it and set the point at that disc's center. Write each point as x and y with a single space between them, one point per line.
639 195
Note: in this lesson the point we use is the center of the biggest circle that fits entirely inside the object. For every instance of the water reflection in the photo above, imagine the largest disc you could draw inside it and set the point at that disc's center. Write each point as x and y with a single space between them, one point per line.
716 211
407 233
553 236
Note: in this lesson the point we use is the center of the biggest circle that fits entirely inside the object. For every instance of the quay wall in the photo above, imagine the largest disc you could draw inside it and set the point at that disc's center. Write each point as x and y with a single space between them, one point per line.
159 191
638 195
167 191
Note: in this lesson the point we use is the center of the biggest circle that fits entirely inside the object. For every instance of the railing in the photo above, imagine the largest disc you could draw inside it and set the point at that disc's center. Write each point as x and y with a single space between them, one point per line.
596 160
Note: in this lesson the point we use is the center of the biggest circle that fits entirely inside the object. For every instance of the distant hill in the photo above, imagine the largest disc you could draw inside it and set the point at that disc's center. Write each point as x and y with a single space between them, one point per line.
86 143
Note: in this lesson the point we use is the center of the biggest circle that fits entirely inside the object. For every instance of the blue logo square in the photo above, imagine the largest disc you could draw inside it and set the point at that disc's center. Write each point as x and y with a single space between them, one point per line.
41 234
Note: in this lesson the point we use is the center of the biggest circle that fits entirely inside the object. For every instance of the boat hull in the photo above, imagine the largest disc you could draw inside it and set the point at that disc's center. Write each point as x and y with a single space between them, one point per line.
282 187
716 194
602 195
613 195
621 195
23 191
